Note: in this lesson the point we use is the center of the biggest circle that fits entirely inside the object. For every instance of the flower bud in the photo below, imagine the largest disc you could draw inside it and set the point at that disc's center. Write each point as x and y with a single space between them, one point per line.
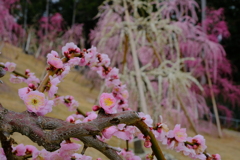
95 108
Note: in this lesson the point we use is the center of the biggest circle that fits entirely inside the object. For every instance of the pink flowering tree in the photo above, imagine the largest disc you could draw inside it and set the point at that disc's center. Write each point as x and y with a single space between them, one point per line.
170 63
49 30
111 116
52 34
10 30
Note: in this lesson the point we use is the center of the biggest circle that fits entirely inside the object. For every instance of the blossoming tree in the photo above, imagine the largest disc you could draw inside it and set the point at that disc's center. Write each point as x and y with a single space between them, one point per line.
172 55
110 117
10 31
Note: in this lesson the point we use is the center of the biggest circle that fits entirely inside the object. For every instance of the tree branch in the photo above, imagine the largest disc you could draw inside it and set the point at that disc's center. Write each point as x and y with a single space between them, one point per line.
50 132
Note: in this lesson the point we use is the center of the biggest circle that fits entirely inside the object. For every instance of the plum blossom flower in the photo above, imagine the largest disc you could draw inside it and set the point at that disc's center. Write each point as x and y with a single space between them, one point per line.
104 60
199 144
43 154
146 118
70 119
147 142
70 48
180 133
121 131
71 103
113 78
91 55
22 92
108 102
74 61
53 86
77 156
36 102
58 100
67 149
30 149
108 132
90 116
64 71
32 79
19 150
216 157
129 155
10 66
54 60
16 79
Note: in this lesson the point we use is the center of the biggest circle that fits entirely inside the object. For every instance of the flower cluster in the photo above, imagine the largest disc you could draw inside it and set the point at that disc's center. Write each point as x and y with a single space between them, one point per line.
67 151
116 101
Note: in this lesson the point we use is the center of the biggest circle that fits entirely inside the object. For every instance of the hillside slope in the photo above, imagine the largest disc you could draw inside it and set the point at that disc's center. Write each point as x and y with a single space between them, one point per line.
76 85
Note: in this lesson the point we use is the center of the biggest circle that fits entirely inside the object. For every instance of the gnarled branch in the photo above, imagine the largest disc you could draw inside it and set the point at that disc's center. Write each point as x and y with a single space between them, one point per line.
50 132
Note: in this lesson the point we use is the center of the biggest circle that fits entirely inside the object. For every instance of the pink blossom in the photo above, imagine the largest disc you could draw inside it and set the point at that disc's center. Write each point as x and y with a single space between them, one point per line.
70 48
180 133
129 155
54 60
91 55
77 156
43 154
71 103
113 78
58 100
79 116
19 150
90 116
83 62
108 132
65 71
2 154
216 157
67 149
120 92
16 79
199 143
53 88
30 149
55 156
125 94
95 108
147 144
74 61
185 150
33 80
200 156
46 109
125 133
108 102
146 118
104 60
102 71
22 92
70 119
36 102
10 66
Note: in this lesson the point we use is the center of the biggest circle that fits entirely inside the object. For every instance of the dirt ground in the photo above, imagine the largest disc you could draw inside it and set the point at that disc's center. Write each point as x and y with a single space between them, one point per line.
76 85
